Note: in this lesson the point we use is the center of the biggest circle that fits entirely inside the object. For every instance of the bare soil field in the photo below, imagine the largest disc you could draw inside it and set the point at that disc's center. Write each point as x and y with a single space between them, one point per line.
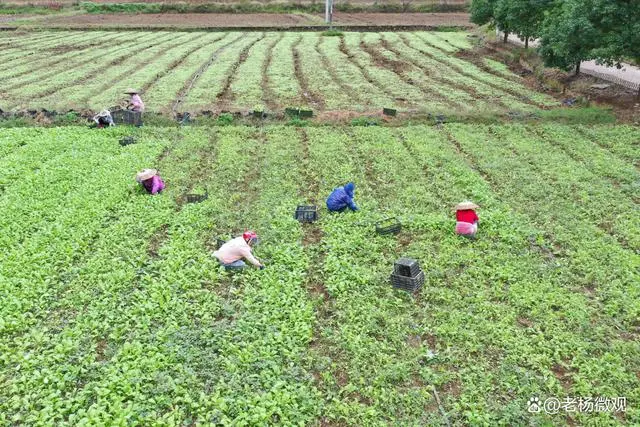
257 20
380 2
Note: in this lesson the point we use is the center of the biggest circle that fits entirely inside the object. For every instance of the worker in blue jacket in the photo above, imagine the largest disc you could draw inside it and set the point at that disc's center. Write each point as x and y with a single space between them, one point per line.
342 198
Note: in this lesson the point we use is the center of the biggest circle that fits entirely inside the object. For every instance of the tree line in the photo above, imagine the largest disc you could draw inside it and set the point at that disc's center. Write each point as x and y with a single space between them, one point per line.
569 31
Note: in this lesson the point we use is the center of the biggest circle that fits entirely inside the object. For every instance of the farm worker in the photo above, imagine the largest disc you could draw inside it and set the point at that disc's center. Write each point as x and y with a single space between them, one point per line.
232 252
150 180
103 119
466 219
342 198
135 103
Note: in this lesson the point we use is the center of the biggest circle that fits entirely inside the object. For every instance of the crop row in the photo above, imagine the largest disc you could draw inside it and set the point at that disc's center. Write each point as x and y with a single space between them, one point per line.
408 71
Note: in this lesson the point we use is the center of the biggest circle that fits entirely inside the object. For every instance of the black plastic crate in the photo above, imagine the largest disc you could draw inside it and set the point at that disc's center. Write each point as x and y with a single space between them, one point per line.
306 113
127 140
389 111
127 117
306 213
197 198
259 114
388 226
409 284
406 267
292 112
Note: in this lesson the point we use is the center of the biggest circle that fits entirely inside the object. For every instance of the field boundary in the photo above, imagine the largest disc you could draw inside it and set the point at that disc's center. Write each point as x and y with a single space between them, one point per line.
305 28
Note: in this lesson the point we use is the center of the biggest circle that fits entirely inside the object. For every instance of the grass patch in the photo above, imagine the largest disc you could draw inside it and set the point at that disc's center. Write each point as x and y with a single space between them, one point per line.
332 33
29 9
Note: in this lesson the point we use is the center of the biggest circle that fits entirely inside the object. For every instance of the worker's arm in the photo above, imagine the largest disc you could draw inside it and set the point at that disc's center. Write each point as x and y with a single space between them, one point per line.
352 205
249 257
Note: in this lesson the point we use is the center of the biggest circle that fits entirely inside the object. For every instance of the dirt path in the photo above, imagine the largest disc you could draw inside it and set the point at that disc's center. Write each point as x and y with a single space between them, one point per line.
627 76
253 20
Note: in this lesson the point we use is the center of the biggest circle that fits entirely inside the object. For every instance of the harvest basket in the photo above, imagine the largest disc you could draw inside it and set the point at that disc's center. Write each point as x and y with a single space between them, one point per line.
306 213
259 114
127 117
406 267
389 111
306 113
409 284
197 198
388 226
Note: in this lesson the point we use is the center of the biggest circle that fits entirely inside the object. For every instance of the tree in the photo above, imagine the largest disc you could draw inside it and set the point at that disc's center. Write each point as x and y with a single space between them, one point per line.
482 11
578 30
522 17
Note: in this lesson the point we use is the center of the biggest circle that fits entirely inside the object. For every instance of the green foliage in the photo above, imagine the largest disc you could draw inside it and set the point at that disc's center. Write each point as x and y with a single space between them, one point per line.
224 119
111 295
333 33
522 17
605 30
482 11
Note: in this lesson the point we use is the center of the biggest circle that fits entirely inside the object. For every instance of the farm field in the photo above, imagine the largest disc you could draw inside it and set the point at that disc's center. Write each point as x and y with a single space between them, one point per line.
267 21
239 71
198 2
113 310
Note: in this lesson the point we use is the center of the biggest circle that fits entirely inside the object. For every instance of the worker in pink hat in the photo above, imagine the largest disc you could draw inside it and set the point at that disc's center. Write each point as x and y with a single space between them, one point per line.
467 219
135 102
150 180
232 253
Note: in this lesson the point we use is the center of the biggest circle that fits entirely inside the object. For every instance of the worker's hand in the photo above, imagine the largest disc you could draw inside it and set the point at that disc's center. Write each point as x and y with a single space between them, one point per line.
261 267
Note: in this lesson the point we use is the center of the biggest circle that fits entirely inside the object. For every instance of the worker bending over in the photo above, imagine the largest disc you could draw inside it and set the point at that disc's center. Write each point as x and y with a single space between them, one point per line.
150 180
232 253
342 198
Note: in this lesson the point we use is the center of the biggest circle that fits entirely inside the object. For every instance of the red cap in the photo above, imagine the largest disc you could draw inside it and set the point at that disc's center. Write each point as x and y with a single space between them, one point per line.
249 235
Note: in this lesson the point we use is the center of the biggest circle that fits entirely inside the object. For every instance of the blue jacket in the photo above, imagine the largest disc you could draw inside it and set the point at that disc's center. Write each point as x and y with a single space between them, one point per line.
341 198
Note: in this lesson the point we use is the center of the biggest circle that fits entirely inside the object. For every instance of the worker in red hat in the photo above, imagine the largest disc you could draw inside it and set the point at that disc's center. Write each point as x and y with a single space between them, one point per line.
232 253
467 219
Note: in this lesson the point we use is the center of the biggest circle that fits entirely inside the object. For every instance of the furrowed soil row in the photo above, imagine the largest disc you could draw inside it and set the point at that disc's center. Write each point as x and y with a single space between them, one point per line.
345 51
147 62
477 60
93 73
184 92
57 59
313 98
58 46
8 59
267 92
420 67
449 82
399 68
224 97
614 153
172 66
584 161
312 240
332 72
461 71
546 175
92 60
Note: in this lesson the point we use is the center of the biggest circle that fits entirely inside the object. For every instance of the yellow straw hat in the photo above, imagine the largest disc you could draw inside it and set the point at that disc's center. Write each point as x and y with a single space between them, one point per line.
145 174
131 91
466 205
